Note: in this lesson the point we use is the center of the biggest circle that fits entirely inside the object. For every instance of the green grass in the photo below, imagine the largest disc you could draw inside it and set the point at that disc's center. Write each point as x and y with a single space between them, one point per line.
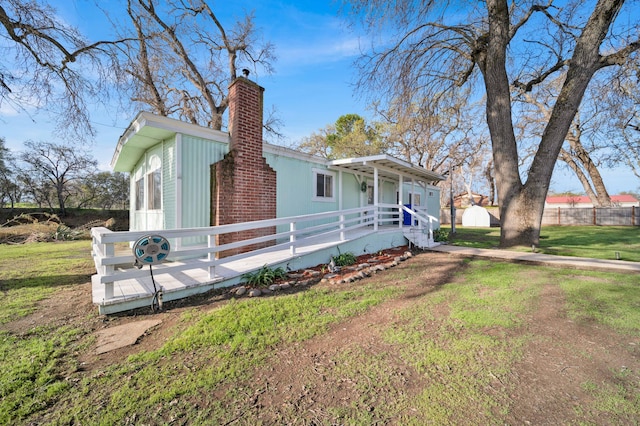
599 242
458 341
219 348
471 348
31 272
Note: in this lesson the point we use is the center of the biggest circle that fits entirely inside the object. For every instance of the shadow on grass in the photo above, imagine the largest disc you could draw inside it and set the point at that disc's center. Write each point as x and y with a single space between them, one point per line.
51 281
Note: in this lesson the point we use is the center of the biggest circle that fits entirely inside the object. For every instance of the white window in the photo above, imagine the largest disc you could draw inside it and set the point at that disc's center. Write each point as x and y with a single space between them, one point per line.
139 194
324 185
154 190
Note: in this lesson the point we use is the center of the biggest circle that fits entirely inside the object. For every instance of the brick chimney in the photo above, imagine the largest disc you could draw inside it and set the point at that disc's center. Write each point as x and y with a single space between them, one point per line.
243 185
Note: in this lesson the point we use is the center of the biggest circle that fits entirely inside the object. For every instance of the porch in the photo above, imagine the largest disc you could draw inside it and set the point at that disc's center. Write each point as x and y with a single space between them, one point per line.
193 265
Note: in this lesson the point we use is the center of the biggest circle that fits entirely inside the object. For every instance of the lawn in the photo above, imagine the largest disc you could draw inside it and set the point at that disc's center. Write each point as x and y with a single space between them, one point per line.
438 339
600 242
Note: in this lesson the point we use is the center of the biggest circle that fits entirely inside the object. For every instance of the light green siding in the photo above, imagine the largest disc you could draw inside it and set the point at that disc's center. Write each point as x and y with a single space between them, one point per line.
197 155
168 183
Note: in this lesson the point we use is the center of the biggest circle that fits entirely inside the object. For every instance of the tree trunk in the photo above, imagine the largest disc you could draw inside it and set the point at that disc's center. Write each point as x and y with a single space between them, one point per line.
521 206
599 195
488 174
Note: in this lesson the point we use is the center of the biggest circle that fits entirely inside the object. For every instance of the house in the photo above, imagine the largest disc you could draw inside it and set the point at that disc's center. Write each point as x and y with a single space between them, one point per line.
224 197
582 201
464 200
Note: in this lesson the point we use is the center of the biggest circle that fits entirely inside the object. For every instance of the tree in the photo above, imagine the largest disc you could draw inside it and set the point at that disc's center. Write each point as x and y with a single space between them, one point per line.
105 190
55 167
440 49
48 61
437 133
590 122
8 188
183 58
350 136
622 104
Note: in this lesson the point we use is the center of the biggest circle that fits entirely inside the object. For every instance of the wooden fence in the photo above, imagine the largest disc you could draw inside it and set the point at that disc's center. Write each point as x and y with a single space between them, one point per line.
597 216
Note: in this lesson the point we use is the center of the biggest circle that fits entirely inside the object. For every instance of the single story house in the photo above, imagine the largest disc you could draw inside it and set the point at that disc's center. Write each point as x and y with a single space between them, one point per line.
221 197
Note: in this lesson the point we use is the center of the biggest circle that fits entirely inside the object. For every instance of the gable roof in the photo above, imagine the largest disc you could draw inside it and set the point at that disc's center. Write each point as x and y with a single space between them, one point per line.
147 130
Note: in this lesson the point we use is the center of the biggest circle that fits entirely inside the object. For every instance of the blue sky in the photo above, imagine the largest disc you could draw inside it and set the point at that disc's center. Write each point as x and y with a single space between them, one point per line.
312 85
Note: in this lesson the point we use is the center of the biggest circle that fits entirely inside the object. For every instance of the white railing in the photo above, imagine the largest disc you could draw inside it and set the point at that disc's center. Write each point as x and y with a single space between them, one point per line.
205 256
113 264
423 218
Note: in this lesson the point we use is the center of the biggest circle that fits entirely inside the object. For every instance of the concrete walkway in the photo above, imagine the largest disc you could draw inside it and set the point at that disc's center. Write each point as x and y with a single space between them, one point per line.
543 259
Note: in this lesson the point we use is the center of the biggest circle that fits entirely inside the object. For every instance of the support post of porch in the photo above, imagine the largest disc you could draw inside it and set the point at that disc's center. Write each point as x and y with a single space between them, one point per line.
400 202
376 215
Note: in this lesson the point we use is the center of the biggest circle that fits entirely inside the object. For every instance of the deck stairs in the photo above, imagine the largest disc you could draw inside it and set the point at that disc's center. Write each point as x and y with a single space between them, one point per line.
421 238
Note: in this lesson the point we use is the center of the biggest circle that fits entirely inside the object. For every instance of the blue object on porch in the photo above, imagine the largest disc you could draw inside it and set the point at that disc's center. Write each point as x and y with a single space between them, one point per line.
406 218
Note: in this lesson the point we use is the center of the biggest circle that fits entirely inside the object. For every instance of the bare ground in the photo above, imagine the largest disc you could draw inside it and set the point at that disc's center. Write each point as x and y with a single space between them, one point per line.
546 387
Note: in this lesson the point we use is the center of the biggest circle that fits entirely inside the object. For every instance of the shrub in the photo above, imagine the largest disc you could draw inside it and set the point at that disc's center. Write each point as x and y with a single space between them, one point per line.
264 276
344 259
440 235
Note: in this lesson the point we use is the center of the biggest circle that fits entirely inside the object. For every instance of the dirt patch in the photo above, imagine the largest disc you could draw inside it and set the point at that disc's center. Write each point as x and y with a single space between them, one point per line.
547 386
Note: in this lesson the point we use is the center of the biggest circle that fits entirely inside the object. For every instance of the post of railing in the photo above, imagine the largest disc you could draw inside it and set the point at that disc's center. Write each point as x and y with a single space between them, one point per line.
292 238
211 257
342 236
109 250
376 213
430 228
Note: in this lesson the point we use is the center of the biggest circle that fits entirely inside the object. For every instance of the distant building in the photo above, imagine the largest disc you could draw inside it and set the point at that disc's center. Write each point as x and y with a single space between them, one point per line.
463 200
582 201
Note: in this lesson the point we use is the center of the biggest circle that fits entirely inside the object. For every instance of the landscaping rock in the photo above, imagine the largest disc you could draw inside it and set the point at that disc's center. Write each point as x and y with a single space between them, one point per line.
254 292
285 286
239 291
274 287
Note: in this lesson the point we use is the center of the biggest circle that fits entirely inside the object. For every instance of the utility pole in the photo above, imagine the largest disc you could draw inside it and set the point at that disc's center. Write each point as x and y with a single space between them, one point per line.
453 207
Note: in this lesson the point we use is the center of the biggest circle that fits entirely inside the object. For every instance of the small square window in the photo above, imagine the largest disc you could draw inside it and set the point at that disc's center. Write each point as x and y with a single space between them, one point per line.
324 188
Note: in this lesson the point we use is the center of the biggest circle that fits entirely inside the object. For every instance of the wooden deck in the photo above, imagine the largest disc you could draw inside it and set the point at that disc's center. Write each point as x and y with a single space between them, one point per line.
193 276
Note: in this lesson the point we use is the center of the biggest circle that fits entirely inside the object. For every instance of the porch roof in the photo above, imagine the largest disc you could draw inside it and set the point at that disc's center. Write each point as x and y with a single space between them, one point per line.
388 167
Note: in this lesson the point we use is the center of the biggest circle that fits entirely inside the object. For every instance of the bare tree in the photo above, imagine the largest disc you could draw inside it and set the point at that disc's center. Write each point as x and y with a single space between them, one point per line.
590 123
47 61
622 105
184 58
9 190
55 166
499 43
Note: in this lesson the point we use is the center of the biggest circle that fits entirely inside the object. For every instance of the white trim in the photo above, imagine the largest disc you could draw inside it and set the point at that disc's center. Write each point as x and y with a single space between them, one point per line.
178 180
314 196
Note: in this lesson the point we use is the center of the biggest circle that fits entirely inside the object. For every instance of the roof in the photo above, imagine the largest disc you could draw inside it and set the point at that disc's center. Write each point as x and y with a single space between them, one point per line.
388 167
583 199
147 130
